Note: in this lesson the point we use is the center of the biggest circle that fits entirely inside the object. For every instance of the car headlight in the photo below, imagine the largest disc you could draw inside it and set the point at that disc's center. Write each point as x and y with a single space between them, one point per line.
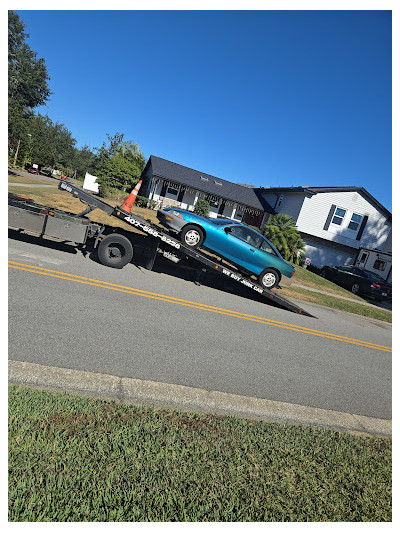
176 214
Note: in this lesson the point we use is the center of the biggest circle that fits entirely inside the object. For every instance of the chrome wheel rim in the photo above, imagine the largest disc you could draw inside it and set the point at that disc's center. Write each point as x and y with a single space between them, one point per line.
355 288
269 279
192 237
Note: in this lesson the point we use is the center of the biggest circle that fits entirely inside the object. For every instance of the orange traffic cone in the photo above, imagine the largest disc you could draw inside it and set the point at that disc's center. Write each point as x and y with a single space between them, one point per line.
127 205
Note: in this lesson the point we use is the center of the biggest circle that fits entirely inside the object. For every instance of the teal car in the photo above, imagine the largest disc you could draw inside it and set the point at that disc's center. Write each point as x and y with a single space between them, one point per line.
239 244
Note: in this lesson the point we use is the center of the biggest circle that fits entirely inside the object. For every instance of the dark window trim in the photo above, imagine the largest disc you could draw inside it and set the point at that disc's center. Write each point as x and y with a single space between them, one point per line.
363 224
330 216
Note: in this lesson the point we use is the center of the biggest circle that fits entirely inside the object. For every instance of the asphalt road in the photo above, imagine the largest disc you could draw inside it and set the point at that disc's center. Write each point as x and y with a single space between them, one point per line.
128 323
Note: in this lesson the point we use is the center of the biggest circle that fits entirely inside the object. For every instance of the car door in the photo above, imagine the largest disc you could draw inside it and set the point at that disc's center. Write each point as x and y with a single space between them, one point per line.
345 276
241 246
360 277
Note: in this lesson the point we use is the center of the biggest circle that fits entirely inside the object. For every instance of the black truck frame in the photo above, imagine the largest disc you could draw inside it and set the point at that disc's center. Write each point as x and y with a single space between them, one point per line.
116 249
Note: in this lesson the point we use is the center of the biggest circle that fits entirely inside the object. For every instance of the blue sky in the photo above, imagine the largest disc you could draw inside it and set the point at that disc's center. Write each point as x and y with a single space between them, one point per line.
268 98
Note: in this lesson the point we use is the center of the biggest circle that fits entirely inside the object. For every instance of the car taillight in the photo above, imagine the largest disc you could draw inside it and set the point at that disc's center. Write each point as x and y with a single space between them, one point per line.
376 285
293 273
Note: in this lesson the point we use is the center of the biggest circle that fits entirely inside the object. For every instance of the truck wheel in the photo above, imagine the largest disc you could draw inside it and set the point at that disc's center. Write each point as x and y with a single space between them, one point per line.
269 278
115 251
192 236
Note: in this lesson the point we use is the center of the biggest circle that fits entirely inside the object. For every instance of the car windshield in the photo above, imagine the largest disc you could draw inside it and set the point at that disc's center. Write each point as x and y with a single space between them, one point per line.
373 276
222 222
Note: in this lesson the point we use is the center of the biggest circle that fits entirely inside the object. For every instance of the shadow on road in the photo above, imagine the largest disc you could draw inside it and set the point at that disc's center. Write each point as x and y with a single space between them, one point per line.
19 235
187 270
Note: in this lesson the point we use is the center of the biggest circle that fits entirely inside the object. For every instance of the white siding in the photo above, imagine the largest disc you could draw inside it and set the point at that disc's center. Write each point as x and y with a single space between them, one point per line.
291 205
387 247
315 211
328 255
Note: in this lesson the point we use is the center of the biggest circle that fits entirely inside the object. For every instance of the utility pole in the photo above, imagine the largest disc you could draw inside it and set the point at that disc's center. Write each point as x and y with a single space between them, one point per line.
16 153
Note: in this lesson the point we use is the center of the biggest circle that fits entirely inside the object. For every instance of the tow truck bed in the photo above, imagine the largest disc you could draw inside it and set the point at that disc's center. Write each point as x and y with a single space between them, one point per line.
111 244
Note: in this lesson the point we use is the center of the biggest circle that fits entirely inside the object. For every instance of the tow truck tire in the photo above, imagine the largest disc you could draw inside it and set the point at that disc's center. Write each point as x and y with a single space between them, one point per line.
192 236
115 251
269 278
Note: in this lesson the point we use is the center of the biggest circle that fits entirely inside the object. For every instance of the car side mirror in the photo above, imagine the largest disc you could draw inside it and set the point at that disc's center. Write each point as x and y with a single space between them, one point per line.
227 229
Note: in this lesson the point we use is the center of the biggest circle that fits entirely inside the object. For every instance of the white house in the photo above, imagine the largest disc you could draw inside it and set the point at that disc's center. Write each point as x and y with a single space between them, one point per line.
334 222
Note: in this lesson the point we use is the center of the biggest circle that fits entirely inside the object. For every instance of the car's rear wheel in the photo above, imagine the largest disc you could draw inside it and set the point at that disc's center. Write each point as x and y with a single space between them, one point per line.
355 288
269 278
192 236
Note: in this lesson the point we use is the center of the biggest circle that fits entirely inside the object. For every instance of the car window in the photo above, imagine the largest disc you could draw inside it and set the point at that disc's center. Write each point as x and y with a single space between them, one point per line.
246 235
360 273
222 222
373 276
266 247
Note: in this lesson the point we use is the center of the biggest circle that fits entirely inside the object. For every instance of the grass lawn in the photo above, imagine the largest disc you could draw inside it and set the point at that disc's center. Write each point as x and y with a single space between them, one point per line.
62 200
74 458
28 181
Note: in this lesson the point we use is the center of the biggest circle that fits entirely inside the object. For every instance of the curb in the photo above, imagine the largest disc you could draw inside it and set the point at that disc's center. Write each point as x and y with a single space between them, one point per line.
189 398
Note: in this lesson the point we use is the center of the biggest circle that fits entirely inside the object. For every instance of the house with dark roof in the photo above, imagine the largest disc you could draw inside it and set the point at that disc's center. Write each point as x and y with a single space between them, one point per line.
336 223
171 184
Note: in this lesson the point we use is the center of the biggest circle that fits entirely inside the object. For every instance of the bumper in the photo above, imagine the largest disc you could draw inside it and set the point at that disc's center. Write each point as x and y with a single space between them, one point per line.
380 294
170 221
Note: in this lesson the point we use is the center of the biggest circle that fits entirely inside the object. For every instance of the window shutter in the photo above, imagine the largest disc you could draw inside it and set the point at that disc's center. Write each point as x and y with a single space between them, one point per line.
360 231
330 216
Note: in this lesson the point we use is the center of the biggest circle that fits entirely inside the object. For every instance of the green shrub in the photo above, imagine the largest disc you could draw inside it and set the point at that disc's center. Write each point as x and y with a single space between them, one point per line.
202 208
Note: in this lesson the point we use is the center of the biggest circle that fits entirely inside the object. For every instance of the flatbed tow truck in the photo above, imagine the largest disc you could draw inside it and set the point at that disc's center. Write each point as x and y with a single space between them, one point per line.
117 249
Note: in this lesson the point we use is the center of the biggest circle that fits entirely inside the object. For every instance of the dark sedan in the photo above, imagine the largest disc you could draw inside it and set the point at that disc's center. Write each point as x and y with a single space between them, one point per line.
358 281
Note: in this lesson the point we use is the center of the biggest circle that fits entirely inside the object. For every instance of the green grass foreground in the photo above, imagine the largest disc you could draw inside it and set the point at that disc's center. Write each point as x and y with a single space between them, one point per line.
80 459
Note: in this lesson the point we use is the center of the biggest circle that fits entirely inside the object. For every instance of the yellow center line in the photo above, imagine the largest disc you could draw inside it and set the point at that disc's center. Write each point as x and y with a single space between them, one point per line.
194 305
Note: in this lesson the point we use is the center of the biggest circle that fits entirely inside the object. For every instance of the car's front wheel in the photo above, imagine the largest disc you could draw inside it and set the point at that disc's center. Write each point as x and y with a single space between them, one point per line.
192 236
269 278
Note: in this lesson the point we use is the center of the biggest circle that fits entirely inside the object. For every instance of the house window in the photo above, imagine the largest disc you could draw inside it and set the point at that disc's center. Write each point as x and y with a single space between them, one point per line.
172 192
338 216
280 200
379 265
355 222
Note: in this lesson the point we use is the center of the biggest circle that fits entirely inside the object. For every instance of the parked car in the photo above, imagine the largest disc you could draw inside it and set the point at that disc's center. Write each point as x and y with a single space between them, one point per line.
358 281
32 170
242 246
46 171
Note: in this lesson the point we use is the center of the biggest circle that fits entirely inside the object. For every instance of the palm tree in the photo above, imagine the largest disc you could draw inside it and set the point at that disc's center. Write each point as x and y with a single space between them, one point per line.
284 235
